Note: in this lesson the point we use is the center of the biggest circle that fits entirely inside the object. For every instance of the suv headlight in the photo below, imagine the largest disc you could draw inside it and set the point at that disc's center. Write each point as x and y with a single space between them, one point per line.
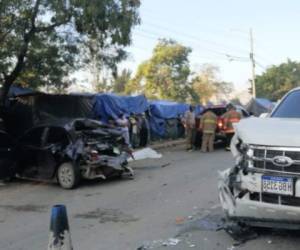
250 152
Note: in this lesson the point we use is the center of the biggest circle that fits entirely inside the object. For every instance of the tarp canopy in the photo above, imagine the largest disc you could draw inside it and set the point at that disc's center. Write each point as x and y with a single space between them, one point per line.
257 106
160 112
51 107
167 109
111 105
198 110
20 91
26 111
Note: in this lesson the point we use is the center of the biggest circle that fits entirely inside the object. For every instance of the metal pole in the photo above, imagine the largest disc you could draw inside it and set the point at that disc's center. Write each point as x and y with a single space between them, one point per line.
253 64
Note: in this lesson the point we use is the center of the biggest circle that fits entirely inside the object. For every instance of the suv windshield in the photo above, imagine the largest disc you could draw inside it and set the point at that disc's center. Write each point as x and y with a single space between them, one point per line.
289 107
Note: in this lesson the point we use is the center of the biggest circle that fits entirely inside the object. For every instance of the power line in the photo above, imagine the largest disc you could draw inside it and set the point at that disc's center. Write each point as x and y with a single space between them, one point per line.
225 57
210 42
207 41
153 35
213 29
260 65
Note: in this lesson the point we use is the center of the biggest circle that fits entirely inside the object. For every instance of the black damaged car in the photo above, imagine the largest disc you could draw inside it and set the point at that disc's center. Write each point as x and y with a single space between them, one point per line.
66 152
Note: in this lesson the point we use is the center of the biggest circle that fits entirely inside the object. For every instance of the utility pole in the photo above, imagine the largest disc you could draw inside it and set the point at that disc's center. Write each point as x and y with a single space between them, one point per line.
253 64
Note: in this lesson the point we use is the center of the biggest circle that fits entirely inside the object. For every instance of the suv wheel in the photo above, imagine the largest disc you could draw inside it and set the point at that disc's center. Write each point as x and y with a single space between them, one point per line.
67 175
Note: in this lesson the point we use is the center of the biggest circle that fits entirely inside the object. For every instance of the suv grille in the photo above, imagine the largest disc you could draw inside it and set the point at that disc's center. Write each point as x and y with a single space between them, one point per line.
263 159
276 199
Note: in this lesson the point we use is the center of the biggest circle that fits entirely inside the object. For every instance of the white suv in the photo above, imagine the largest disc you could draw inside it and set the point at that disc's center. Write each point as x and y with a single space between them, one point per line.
263 188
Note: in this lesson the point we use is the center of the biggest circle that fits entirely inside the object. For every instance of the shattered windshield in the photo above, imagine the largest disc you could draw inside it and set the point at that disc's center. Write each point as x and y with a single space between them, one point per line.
289 107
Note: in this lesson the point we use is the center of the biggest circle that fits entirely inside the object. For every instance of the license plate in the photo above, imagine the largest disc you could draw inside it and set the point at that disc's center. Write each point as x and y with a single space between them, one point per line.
277 185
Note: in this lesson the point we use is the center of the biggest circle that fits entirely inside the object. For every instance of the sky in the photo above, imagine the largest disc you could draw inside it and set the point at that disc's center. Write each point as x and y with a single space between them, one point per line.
217 28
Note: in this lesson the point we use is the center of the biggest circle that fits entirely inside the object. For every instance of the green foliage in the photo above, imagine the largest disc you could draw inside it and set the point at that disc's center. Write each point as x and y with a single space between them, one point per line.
42 41
236 101
120 81
102 85
165 74
277 80
207 85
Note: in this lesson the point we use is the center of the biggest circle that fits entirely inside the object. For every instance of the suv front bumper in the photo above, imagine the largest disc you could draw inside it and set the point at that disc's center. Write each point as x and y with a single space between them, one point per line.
237 203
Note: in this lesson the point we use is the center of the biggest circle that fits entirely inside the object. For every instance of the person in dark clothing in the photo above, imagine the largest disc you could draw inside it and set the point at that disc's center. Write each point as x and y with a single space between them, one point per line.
144 132
134 131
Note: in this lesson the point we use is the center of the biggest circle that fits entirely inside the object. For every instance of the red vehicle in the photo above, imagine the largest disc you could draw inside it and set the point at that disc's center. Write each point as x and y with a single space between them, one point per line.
219 111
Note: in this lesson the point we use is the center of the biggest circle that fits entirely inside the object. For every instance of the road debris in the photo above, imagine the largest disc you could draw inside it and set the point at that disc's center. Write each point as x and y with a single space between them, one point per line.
146 153
158 243
240 233
107 215
231 248
166 164
171 242
179 220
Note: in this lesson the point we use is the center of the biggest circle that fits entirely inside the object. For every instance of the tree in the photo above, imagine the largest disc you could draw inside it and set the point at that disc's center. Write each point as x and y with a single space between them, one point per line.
121 80
277 80
236 101
165 74
42 41
207 85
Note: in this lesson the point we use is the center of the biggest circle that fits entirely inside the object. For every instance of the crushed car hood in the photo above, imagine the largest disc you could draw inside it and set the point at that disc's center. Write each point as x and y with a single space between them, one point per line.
269 131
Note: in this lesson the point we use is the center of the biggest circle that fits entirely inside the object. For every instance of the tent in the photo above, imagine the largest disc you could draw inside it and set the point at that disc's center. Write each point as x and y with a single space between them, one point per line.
20 91
164 118
111 105
257 106
26 111
198 110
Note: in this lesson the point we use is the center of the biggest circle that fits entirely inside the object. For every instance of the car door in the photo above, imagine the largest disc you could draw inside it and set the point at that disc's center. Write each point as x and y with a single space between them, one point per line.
36 159
53 153
7 158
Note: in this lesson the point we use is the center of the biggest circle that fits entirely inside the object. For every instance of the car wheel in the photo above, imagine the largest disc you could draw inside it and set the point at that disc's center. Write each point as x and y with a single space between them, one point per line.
67 175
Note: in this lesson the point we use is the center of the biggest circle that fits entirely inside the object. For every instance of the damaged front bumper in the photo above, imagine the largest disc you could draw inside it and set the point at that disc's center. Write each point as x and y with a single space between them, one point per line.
242 200
106 166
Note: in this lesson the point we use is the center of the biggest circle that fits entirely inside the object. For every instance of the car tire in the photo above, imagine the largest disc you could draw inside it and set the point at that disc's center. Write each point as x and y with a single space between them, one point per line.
68 175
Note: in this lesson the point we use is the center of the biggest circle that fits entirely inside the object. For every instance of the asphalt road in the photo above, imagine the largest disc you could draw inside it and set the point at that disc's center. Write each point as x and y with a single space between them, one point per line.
168 199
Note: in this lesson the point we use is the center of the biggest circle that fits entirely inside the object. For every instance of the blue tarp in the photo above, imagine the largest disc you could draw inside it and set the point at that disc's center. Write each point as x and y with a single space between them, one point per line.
20 91
258 106
161 111
264 102
198 110
111 105
167 109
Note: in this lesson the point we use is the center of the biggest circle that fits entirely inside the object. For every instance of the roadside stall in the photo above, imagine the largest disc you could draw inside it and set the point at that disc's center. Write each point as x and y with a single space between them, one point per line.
165 119
109 107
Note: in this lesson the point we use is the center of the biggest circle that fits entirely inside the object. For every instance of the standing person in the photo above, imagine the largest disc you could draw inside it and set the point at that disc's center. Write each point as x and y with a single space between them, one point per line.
134 131
190 122
229 118
208 124
124 124
144 132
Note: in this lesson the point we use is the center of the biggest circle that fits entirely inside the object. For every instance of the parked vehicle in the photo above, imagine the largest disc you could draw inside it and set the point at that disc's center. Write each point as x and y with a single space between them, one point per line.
219 111
263 188
66 151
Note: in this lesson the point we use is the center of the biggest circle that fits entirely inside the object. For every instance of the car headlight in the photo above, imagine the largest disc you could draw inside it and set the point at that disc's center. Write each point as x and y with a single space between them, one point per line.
250 152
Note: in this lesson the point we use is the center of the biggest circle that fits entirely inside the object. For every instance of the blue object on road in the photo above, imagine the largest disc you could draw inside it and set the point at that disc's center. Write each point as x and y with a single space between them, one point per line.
60 237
